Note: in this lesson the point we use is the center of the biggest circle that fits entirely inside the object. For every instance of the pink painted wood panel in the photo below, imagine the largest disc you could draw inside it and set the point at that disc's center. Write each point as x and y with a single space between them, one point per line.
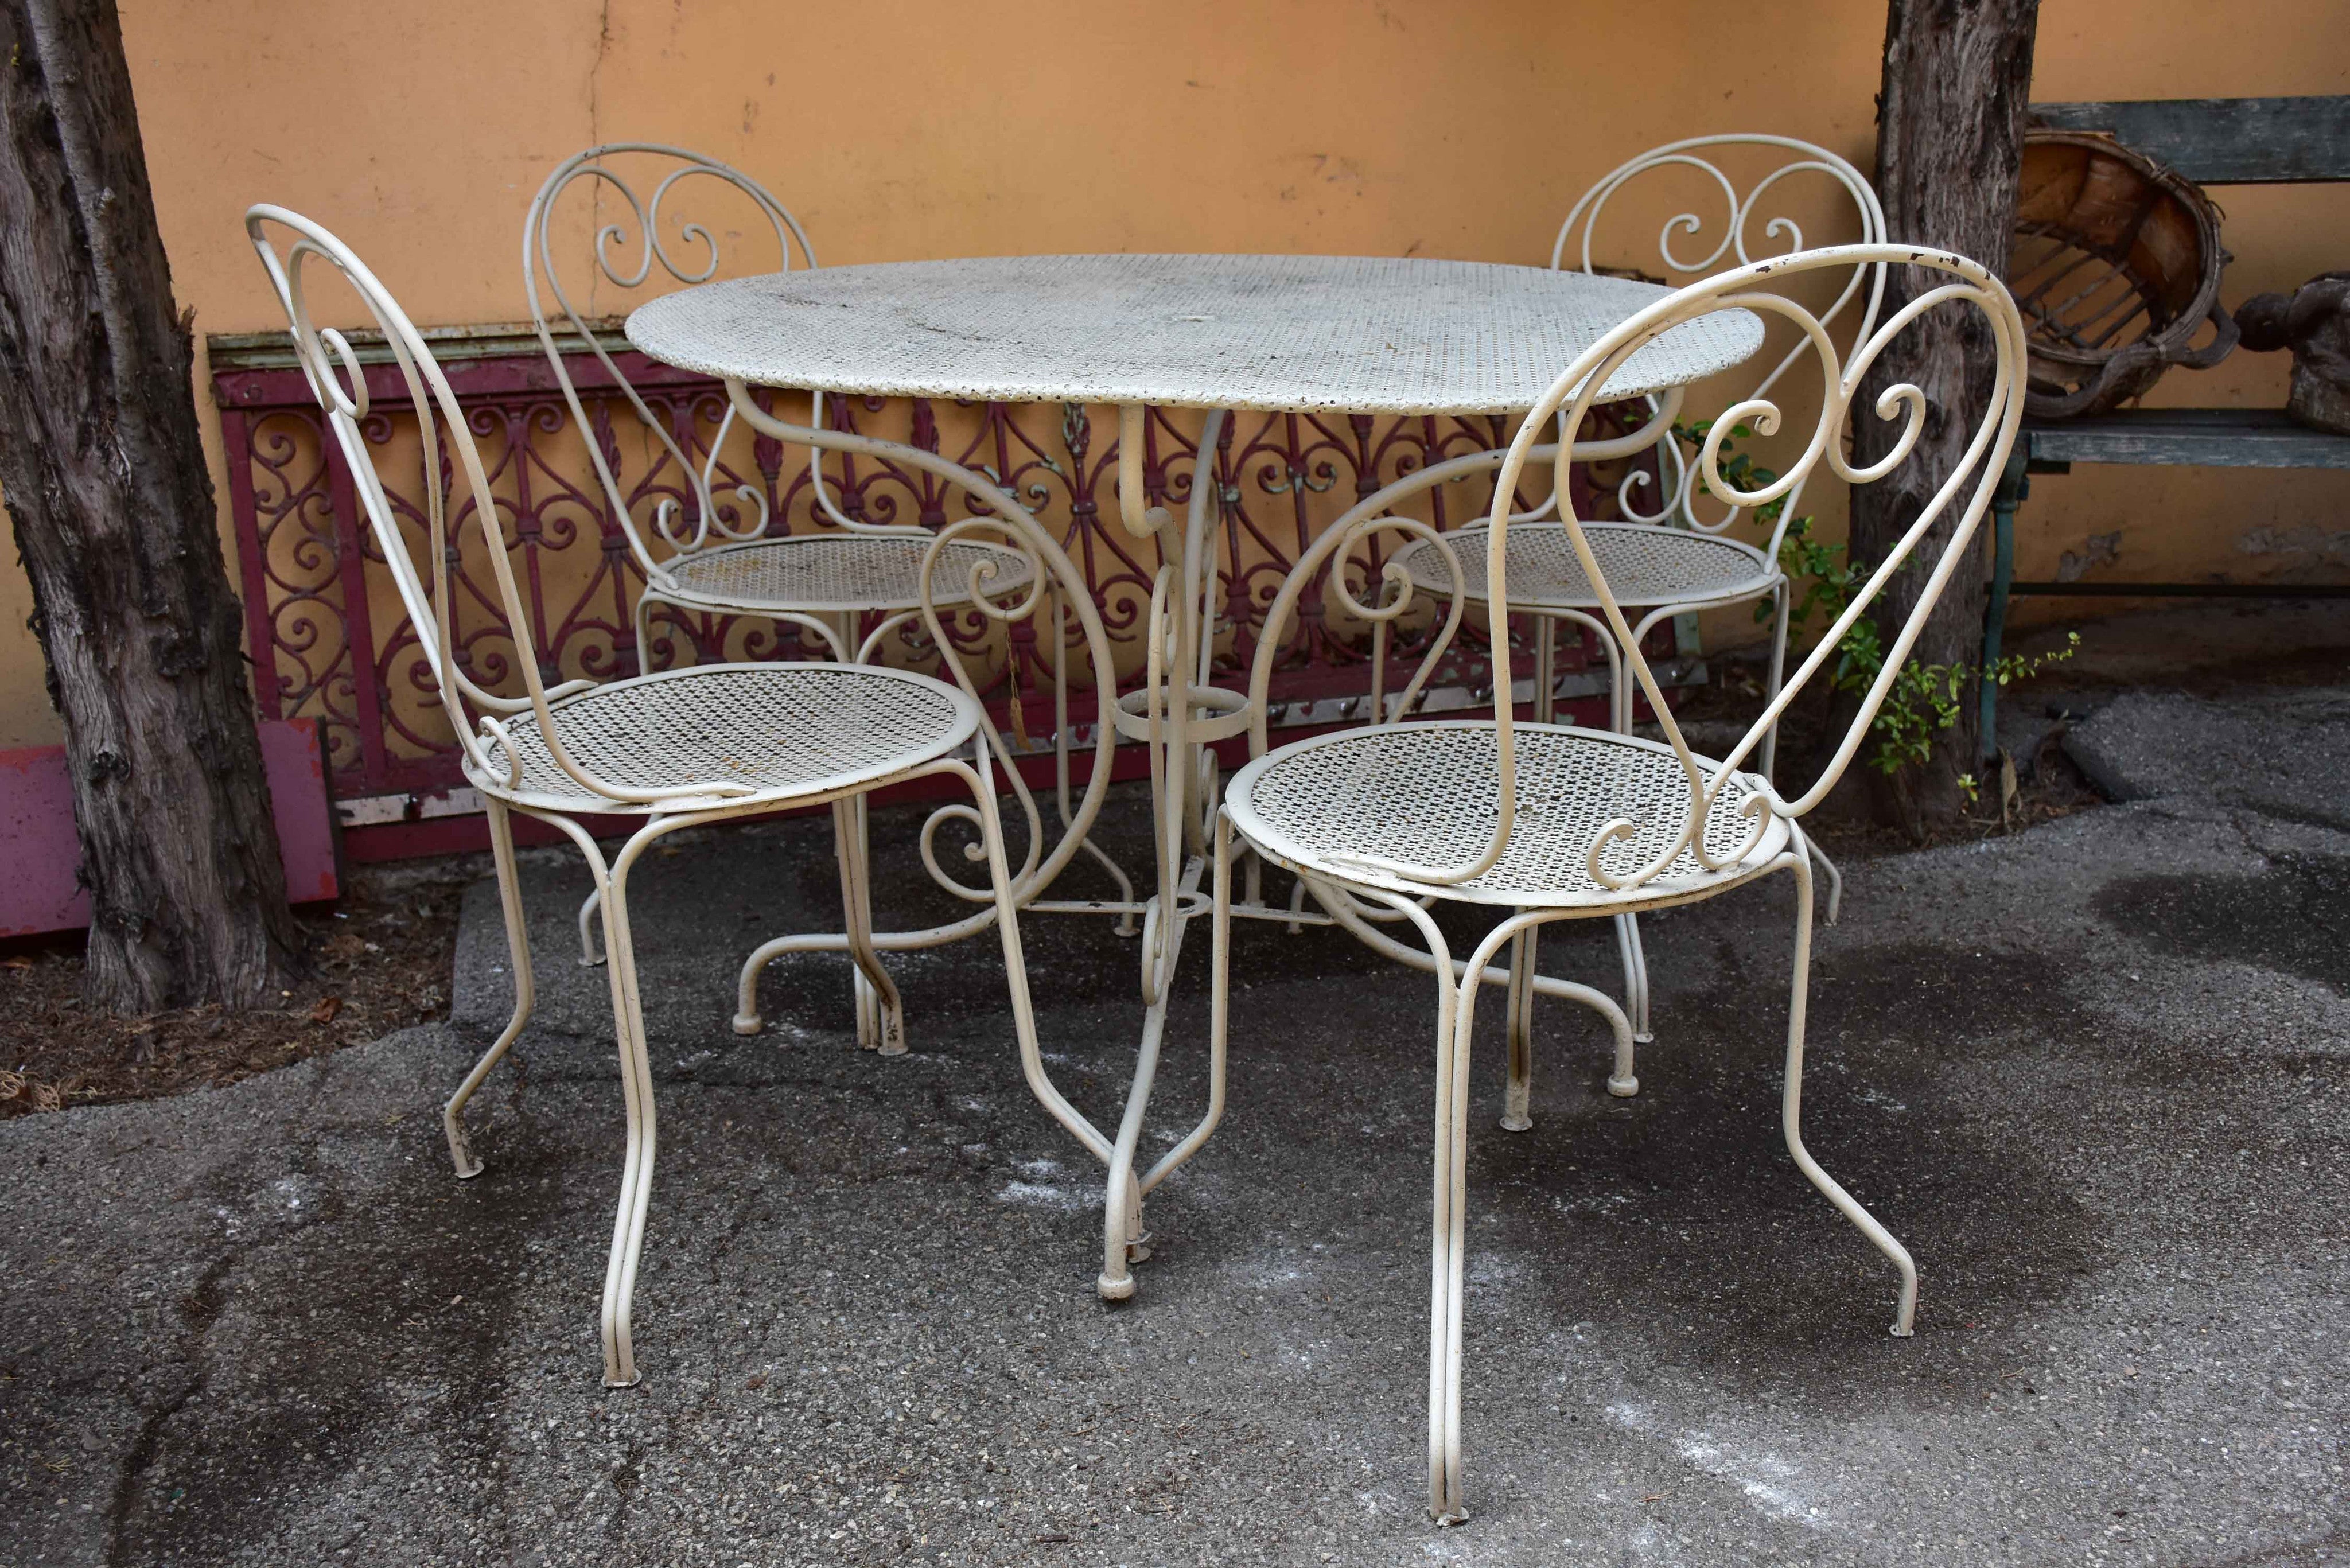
39 850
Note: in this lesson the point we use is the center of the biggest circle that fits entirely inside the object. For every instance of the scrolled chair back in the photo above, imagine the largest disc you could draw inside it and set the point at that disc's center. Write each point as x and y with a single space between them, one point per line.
342 386
1974 475
1683 253
970 602
647 233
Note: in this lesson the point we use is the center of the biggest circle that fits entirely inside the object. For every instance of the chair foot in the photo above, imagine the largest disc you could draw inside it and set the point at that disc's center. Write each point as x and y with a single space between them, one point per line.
1115 1290
1445 1521
588 957
632 1379
1517 1106
461 1147
748 1023
1623 1088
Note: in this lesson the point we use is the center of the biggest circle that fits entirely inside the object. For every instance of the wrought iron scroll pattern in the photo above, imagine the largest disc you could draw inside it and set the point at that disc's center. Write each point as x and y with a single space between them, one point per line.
1281 478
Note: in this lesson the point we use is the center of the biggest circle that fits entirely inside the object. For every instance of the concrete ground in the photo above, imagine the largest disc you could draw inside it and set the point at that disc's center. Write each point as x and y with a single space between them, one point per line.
2093 1075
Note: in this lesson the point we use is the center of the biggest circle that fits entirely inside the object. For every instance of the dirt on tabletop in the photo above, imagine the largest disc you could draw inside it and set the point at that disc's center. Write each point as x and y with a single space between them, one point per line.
379 960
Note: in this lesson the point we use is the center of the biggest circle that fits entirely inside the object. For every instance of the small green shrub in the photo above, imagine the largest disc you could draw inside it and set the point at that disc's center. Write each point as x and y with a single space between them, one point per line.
1925 700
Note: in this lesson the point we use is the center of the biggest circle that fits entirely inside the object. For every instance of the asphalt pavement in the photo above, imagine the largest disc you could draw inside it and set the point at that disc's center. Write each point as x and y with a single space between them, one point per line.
2093 1075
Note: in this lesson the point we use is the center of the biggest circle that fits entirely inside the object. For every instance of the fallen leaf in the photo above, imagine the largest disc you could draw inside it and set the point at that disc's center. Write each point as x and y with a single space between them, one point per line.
757 1381
327 1006
18 961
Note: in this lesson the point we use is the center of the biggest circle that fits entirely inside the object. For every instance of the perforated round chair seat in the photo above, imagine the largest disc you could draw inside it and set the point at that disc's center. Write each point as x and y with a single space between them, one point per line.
1644 563
841 572
786 729
1424 793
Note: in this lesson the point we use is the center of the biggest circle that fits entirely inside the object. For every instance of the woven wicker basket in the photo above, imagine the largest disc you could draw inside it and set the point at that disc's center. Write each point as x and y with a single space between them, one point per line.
2116 266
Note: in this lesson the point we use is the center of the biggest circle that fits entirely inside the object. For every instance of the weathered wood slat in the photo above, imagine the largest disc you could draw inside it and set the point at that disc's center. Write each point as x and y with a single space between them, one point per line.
2225 140
2190 438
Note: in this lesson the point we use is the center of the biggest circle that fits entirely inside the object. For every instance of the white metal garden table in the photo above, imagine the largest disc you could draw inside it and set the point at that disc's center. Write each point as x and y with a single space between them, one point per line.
1219 333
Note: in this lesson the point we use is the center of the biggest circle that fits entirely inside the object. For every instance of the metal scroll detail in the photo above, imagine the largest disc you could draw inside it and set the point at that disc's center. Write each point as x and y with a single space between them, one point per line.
330 639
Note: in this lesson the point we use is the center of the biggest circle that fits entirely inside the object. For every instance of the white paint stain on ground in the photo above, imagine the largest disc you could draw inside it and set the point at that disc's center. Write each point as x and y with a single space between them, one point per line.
1595 1203
1771 1483
1263 1275
1041 1195
1487 1270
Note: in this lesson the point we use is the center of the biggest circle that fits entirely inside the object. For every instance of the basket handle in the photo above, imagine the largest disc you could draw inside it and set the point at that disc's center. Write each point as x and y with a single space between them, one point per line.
2224 335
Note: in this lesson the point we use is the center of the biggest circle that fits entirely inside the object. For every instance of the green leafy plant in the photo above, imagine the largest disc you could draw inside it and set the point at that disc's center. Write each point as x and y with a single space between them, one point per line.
1925 700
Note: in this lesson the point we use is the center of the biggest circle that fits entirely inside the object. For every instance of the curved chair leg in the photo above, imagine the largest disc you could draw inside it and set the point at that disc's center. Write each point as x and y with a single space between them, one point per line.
636 1091
1125 926
748 1019
1446 1208
1457 984
1355 918
588 957
1516 1105
1792 1110
1836 879
1545 669
644 620
452 1114
1770 750
881 1017
1456 1021
1635 978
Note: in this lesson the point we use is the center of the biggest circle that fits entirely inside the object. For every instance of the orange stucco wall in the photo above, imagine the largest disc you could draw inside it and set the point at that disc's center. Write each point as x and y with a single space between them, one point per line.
897 128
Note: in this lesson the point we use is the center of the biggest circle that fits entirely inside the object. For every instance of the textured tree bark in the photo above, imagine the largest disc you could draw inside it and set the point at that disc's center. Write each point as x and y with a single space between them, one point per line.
103 471
1950 140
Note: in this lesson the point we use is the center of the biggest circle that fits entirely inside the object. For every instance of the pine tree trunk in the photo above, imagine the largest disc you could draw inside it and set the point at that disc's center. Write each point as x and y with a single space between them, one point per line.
103 471
1950 138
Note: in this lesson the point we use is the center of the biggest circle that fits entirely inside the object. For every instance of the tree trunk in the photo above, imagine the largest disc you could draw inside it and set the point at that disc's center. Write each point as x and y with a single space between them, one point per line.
104 476
1950 138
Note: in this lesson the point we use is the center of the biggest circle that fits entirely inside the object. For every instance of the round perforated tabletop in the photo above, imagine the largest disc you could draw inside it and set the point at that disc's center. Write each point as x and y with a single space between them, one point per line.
1361 334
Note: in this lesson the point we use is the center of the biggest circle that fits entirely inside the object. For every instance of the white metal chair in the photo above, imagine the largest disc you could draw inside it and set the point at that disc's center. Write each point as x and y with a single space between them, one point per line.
849 586
1695 564
1549 823
679 748
1668 557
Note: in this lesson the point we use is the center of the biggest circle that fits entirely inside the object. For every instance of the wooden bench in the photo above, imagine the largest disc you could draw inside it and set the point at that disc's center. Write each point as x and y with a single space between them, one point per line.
2213 141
